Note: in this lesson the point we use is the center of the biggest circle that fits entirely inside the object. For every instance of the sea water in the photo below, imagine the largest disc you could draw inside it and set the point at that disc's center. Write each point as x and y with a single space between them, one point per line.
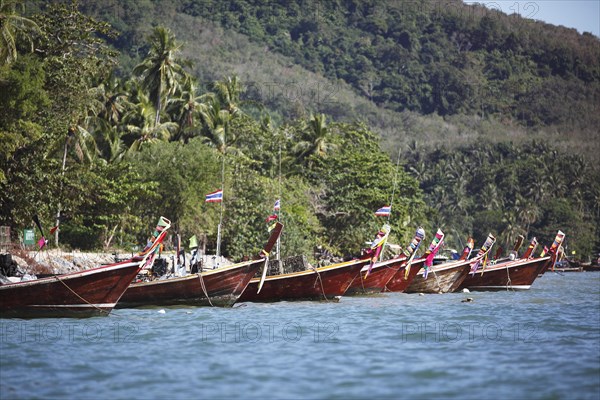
543 343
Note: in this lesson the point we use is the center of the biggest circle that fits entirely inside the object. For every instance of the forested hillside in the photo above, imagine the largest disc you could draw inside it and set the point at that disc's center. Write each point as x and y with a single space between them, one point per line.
113 113
489 74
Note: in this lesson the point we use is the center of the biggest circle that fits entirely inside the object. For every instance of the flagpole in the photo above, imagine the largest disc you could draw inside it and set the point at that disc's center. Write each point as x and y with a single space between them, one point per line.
278 244
221 211
394 186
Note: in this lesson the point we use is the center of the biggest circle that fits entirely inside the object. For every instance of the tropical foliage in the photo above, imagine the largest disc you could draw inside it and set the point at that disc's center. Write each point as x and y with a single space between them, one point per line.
105 144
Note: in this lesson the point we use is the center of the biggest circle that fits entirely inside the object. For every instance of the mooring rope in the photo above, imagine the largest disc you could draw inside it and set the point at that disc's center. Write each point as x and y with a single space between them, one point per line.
321 282
362 283
81 298
508 282
437 280
204 288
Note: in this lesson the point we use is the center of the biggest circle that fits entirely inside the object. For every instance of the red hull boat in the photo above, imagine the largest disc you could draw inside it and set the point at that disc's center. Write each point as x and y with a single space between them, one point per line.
443 278
380 275
220 287
515 275
323 283
89 293
399 282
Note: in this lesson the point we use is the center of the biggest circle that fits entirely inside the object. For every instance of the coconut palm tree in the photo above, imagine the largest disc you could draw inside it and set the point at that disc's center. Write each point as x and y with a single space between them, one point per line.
141 126
148 132
316 140
216 124
11 27
228 92
160 72
489 198
185 108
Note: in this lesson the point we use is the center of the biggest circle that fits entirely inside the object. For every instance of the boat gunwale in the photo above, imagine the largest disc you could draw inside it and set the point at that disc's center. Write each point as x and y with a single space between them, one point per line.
313 270
384 263
195 275
512 264
71 275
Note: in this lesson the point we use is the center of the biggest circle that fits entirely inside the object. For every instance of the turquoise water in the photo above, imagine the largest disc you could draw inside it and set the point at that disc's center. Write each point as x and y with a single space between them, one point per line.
539 344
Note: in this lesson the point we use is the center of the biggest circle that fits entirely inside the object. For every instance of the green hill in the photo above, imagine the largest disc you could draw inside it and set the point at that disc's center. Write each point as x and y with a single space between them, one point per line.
412 70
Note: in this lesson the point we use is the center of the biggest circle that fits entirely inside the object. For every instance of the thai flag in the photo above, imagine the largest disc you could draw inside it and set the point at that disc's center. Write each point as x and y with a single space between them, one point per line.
384 211
277 205
214 197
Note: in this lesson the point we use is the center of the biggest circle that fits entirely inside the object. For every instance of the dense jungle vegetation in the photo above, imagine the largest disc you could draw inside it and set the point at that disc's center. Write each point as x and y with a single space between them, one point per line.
114 113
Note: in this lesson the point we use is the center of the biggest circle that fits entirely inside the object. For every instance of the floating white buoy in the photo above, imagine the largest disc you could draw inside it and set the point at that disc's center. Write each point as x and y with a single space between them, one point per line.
465 290
421 294
162 312
188 312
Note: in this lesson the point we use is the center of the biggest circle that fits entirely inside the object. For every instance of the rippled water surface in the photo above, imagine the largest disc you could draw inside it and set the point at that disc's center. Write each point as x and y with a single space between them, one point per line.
538 344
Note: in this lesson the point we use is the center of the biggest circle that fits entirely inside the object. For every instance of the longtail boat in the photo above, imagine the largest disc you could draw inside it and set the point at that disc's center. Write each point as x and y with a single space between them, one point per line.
555 250
322 283
410 267
446 277
509 275
90 293
375 281
401 280
516 274
442 278
373 277
220 287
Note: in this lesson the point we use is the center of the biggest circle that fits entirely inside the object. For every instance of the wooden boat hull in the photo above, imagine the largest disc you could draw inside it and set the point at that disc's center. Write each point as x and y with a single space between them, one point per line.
443 278
380 275
545 268
89 293
324 283
399 282
510 275
223 286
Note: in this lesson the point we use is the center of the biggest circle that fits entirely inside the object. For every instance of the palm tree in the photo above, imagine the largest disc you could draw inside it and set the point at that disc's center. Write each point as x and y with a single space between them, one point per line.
111 101
148 132
104 118
186 109
316 140
141 126
12 25
489 198
530 213
160 72
228 94
511 228
216 124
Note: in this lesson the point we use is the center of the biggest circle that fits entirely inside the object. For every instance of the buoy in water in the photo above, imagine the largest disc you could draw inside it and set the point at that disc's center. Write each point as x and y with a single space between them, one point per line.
467 300
465 290
162 312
